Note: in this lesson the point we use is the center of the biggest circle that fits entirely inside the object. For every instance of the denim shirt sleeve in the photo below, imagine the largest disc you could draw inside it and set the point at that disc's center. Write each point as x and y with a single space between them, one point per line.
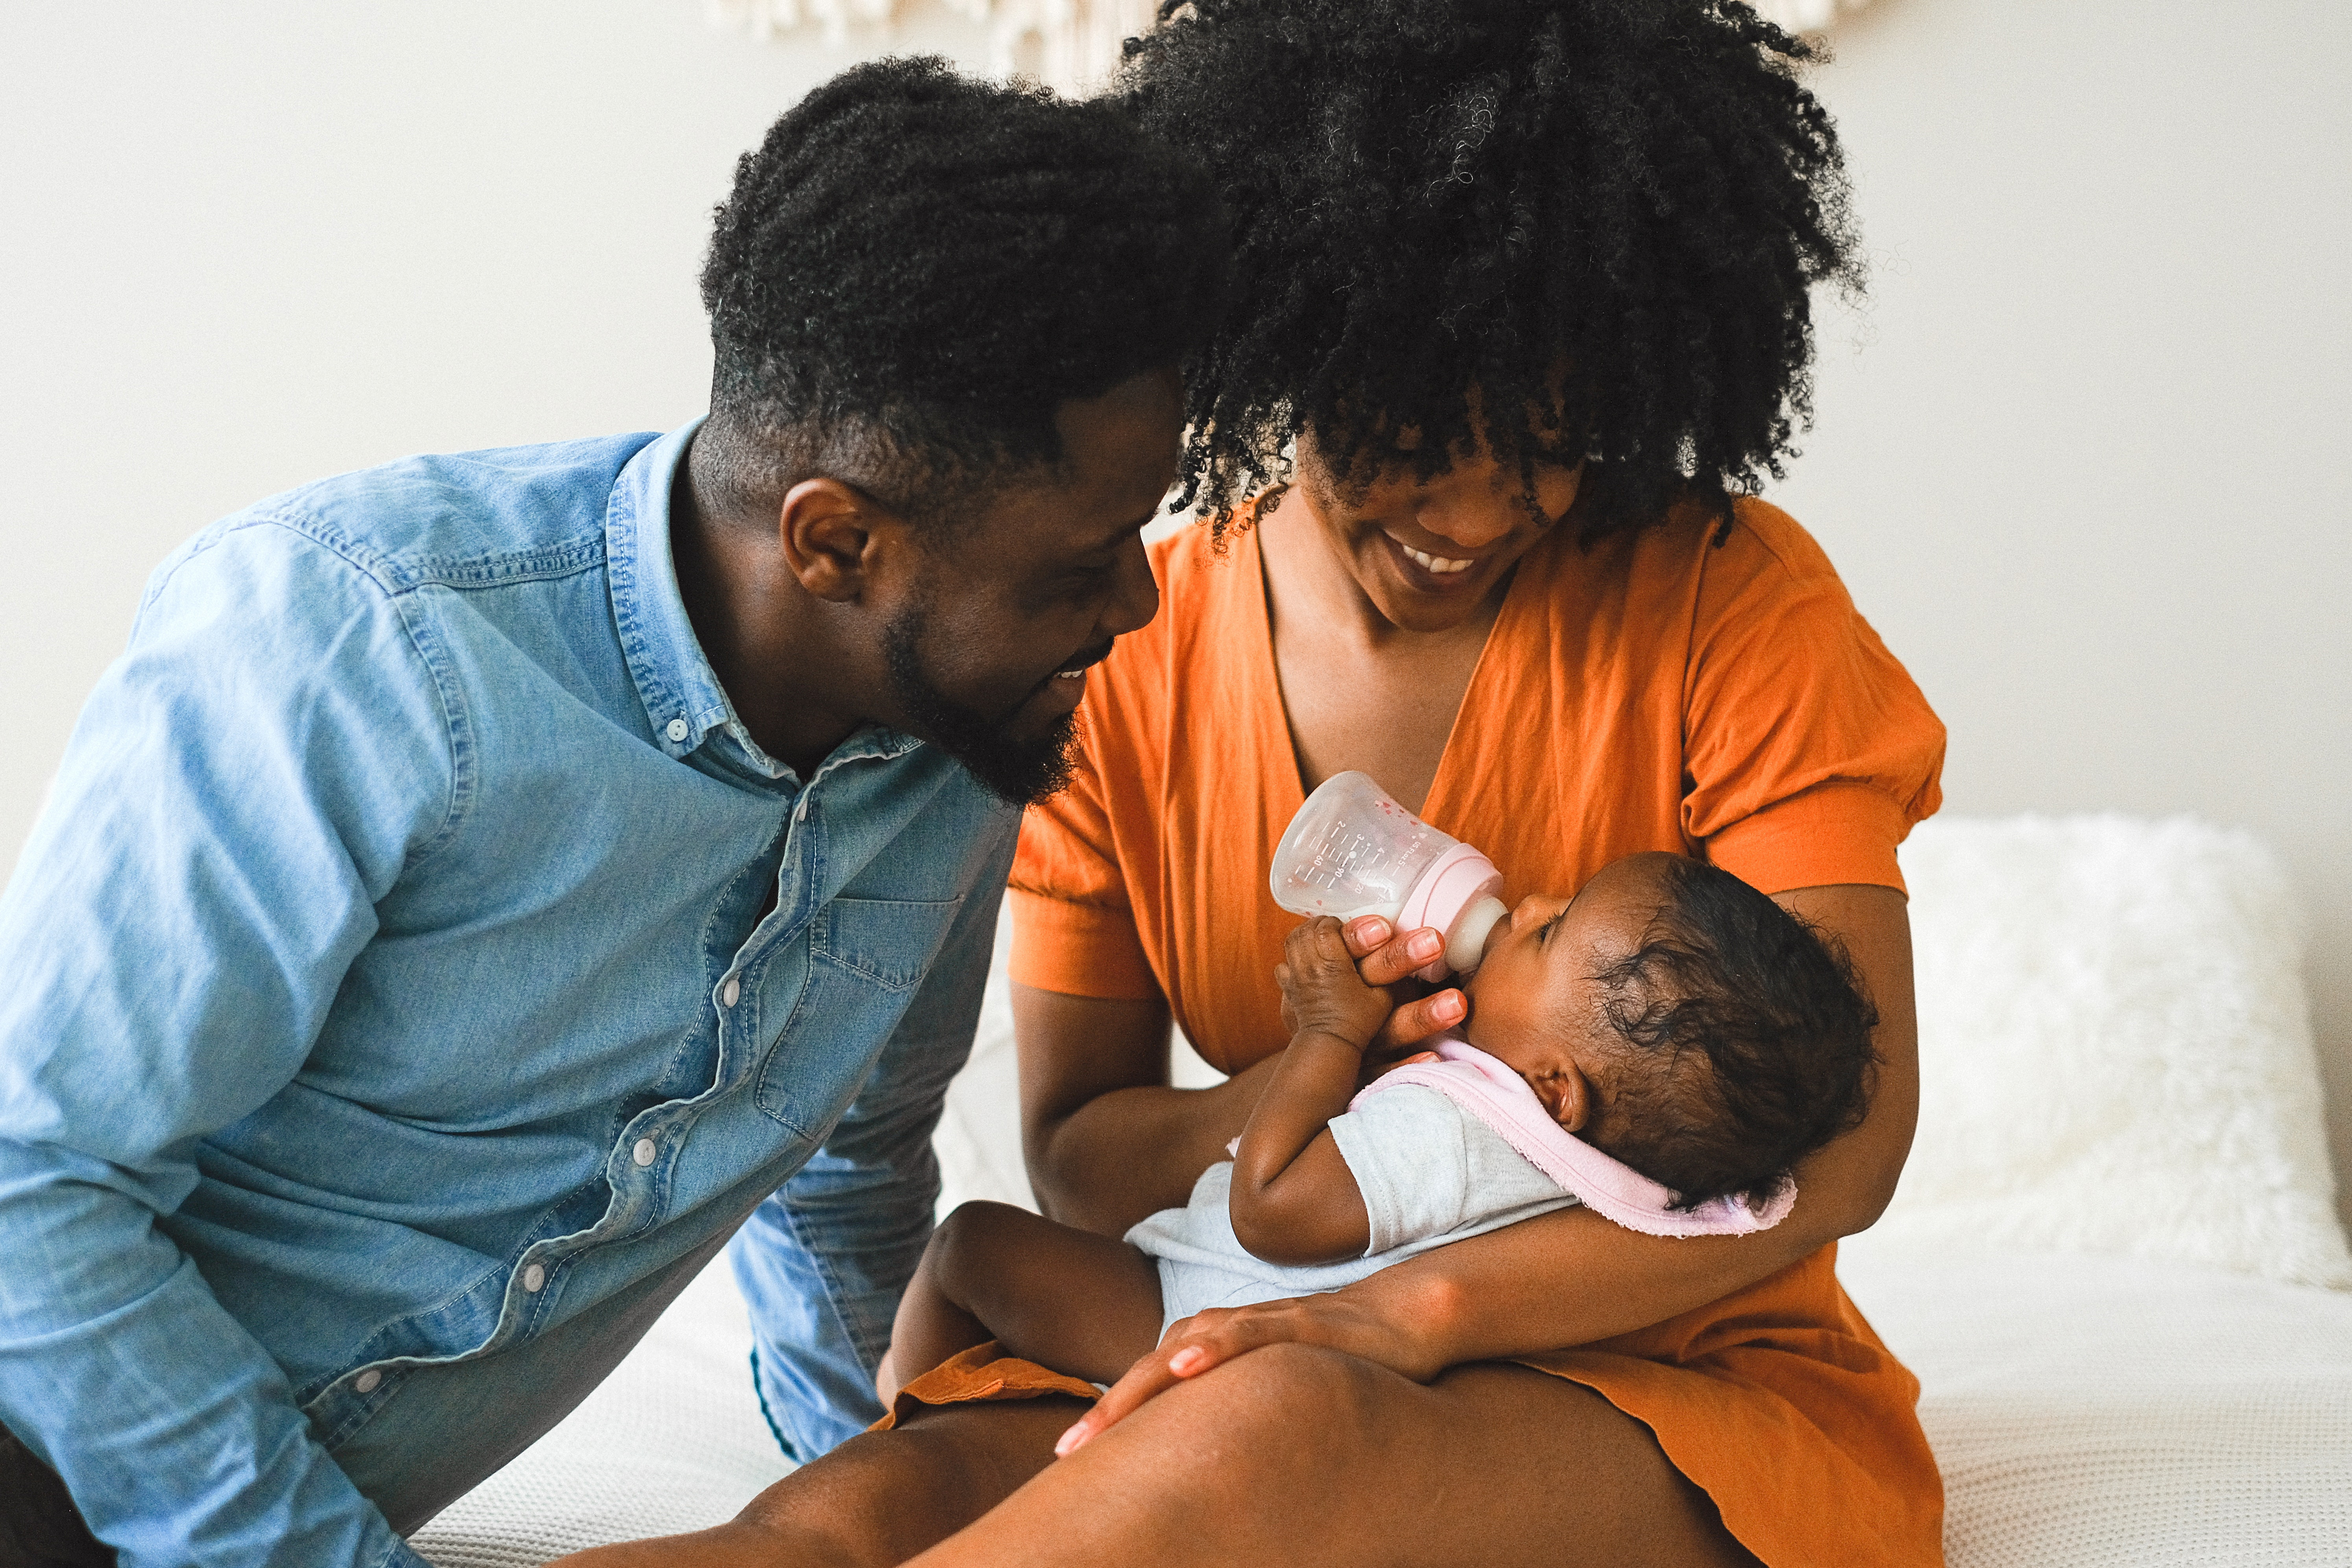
245 784
822 1263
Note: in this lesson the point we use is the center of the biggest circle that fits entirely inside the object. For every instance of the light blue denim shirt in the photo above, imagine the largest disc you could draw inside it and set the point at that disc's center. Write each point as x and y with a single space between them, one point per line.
390 1025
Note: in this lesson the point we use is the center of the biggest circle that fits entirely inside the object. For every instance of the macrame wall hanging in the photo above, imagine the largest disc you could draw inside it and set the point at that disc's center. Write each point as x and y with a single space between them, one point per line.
1070 44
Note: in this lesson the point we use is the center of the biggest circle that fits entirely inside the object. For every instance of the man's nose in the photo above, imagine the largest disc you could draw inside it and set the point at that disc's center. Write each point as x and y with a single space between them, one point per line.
1135 598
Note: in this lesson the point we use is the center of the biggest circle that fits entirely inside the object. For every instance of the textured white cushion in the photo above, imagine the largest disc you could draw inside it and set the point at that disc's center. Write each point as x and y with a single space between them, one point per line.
2114 1051
2120 1412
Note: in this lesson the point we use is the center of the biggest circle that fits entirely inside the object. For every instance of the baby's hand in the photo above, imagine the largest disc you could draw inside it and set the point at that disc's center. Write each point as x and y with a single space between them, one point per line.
1322 990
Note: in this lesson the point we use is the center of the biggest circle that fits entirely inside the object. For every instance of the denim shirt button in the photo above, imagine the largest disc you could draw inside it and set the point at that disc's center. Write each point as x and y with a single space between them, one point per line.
366 1381
645 1151
730 993
533 1278
676 731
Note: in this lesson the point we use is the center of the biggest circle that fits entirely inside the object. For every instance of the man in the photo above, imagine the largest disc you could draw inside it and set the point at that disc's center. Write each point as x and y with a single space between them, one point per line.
486 881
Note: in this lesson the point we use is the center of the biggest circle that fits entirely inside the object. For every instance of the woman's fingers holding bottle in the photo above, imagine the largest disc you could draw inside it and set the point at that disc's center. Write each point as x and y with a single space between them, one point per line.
1416 1022
1385 957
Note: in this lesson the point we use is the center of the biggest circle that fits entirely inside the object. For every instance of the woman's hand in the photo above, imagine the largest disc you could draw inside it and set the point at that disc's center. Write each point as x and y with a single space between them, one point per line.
1385 960
1340 1320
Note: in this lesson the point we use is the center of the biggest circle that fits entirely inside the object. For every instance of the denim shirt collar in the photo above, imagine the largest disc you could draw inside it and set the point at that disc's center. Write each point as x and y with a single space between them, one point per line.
684 701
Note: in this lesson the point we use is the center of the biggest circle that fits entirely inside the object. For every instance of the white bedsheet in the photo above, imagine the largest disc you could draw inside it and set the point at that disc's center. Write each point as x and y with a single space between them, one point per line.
2118 1413
2086 1412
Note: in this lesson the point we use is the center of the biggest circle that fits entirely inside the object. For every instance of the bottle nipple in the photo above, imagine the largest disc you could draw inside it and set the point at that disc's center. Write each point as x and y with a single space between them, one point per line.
1465 944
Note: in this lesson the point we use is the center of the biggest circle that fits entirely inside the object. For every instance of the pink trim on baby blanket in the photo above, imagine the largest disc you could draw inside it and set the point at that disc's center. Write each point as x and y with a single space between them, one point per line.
1501 1098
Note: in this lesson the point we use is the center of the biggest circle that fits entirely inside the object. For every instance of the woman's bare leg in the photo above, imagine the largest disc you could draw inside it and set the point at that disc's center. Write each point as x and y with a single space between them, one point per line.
1292 1453
1302 1456
877 1500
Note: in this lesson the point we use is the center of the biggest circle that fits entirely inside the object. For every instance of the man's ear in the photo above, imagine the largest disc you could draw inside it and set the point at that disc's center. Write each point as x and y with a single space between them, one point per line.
835 537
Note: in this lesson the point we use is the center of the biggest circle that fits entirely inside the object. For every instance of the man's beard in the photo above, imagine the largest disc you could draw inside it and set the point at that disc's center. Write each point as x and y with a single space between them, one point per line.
1023 772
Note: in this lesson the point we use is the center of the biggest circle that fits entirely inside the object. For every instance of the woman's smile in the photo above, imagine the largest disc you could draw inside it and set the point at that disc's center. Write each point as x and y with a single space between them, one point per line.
1432 576
1440 565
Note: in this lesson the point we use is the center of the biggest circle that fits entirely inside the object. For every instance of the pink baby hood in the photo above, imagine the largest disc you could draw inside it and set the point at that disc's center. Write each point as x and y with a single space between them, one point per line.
1501 1098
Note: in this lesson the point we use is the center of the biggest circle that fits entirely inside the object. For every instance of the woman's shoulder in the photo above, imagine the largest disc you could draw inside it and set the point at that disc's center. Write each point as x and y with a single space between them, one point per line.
1760 539
1694 568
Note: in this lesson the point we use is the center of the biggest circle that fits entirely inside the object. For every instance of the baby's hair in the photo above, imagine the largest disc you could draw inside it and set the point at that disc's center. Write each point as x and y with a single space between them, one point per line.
1748 1038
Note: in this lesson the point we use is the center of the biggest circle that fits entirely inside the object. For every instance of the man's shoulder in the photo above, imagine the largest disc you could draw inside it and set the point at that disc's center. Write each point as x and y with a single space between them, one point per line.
460 519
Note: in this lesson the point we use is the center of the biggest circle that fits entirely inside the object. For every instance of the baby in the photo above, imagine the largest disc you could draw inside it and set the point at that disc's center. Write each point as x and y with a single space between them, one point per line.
1662 1048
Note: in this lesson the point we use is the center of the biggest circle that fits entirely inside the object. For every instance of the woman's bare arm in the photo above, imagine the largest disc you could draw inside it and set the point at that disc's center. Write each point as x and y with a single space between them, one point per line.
1106 1138
1572 1278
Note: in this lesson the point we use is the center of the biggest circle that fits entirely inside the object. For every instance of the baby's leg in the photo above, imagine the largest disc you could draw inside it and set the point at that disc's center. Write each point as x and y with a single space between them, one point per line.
1080 1304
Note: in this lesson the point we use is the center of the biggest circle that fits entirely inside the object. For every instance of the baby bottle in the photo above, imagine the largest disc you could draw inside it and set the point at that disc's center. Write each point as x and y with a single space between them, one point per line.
1353 851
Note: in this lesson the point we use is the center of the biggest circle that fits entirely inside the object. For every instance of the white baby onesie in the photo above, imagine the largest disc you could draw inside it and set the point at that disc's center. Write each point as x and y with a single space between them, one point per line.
1430 1170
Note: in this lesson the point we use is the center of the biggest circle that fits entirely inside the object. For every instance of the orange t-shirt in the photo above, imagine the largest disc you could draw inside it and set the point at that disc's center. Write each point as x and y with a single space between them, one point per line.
1653 693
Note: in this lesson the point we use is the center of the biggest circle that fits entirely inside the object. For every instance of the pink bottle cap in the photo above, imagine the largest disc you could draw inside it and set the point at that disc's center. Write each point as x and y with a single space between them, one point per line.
1453 882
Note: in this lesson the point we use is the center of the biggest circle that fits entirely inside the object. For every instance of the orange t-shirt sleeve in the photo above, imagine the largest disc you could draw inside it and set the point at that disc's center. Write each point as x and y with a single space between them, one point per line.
1073 927
1811 752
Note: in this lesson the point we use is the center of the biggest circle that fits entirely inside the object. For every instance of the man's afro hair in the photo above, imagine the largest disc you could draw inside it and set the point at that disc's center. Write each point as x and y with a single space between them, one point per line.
915 269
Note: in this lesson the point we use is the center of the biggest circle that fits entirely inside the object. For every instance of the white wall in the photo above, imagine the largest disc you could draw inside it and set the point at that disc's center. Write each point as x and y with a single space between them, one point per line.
2085 472
2082 476
249 243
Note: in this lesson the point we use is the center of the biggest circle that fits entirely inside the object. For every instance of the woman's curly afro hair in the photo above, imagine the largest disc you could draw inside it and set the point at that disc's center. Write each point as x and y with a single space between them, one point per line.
1609 213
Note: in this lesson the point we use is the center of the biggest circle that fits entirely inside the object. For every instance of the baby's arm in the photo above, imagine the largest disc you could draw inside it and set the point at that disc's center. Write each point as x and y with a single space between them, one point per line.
1082 1304
1294 1199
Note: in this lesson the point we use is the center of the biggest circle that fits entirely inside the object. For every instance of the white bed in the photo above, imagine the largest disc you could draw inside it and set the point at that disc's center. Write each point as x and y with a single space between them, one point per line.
2115 1263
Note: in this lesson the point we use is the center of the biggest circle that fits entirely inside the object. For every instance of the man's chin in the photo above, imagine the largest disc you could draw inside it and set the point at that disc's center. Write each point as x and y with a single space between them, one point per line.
1019 772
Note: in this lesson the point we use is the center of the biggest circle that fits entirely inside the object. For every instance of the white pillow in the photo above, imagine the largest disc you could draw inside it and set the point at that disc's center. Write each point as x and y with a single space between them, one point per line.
2114 1049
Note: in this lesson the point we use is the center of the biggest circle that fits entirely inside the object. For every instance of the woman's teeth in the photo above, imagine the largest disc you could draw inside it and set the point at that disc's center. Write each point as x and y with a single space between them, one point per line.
1069 675
1428 562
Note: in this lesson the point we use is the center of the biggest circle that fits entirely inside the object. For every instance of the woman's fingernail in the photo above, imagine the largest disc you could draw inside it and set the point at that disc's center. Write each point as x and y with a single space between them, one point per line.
1369 930
1069 1442
1425 944
1448 1007
1185 1362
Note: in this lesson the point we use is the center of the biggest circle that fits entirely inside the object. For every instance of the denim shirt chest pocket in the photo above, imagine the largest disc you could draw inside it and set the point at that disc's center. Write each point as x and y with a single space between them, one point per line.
866 957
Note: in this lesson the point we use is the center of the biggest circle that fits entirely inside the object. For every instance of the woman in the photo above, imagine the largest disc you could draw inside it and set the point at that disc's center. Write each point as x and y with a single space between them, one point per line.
1523 308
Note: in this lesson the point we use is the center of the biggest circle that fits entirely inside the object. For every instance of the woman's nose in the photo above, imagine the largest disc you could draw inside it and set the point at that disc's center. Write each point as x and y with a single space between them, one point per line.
1472 523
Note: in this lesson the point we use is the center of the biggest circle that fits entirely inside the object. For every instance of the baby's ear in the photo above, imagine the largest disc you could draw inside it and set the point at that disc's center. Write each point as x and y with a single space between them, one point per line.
1569 1098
